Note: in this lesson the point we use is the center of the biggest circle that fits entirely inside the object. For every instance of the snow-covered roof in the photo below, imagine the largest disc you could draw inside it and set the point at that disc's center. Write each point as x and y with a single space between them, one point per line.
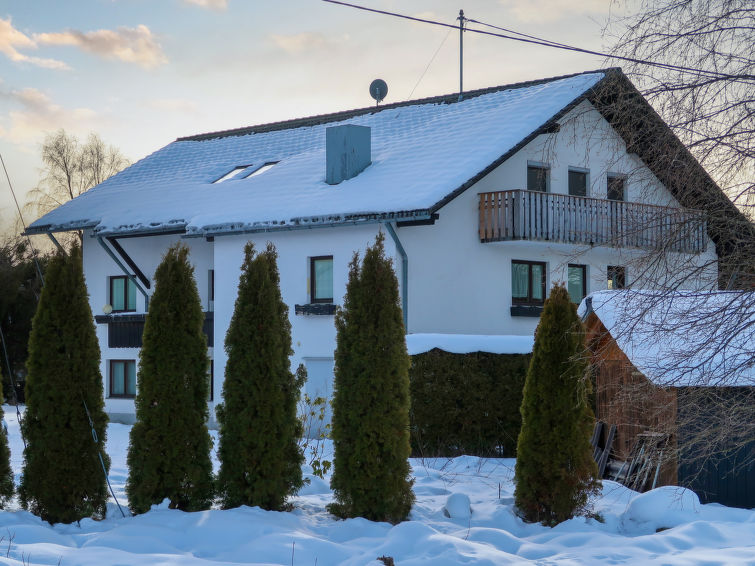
682 338
423 154
467 343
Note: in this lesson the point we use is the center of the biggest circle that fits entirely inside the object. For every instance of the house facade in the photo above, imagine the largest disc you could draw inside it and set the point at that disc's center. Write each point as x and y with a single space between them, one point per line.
485 203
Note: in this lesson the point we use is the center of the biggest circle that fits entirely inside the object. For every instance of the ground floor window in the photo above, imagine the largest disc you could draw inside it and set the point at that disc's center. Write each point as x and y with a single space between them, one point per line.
527 282
122 378
577 283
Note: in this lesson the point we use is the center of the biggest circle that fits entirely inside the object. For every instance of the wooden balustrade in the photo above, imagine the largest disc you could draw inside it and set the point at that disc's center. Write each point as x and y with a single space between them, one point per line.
532 215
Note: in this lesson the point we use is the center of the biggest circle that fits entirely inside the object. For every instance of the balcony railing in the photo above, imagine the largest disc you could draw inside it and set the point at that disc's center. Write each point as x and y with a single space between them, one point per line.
549 217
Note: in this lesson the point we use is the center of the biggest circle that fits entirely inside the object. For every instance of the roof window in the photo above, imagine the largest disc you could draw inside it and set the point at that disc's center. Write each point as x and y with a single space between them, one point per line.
261 169
232 174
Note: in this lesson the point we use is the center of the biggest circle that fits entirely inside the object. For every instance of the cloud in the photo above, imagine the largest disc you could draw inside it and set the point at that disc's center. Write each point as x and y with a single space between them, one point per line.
552 10
38 114
300 42
132 45
210 4
11 40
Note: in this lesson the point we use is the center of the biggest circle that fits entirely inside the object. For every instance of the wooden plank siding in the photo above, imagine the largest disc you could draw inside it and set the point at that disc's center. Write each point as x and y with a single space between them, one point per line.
626 398
533 215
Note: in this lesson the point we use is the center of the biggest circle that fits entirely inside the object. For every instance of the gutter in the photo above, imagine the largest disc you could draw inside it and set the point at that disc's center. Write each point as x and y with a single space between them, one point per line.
404 274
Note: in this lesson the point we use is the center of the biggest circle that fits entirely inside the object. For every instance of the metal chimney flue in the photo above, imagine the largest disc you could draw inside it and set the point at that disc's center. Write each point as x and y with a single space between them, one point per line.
348 151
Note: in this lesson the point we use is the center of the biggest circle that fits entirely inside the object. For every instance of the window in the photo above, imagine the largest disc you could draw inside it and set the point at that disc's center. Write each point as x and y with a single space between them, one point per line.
617 276
578 182
615 190
122 378
260 170
211 289
321 279
122 294
538 177
211 371
527 282
577 283
232 174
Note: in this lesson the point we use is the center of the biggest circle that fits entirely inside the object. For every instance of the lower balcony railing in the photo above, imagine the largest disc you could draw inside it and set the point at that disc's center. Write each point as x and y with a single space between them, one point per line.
531 215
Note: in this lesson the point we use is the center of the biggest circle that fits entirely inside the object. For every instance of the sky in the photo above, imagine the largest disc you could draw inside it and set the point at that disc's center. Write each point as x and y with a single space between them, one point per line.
141 73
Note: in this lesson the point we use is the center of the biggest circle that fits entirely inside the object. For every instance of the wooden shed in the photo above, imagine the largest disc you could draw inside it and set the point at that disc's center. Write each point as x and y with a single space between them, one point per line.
680 366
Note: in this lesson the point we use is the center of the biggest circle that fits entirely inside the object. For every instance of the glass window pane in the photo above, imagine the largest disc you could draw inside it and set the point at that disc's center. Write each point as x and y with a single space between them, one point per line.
578 183
117 294
616 277
576 284
537 178
538 291
130 378
117 378
323 279
131 286
520 280
615 188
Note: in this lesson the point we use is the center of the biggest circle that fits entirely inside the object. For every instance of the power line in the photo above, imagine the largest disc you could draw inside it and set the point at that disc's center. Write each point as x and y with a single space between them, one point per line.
548 43
422 76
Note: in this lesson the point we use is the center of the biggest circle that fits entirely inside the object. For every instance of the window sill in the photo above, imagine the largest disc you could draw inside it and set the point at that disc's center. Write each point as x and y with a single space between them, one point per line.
532 311
316 309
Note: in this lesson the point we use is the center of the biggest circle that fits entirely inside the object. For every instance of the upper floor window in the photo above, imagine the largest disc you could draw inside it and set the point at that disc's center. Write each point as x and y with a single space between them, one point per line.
577 282
321 279
617 276
527 282
538 177
211 289
122 294
616 189
578 182
122 378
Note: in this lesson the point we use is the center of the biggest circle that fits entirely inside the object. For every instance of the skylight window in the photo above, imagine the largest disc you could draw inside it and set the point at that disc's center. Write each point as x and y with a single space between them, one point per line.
261 170
232 174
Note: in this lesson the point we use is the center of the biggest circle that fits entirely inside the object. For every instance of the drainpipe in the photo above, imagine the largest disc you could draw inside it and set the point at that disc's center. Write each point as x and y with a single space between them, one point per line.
123 268
404 274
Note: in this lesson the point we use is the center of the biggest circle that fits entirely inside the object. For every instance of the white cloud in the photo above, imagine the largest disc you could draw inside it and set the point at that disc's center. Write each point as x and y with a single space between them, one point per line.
174 105
210 4
38 114
11 40
300 42
553 10
132 45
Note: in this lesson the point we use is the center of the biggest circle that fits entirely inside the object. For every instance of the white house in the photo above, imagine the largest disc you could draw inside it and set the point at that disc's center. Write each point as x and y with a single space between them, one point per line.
485 202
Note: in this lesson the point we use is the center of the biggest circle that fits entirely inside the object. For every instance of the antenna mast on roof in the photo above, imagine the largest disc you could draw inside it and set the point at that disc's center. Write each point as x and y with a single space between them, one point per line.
461 19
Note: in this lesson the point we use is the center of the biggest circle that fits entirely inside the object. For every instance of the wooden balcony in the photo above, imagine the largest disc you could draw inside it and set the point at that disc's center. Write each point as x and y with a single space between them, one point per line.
549 217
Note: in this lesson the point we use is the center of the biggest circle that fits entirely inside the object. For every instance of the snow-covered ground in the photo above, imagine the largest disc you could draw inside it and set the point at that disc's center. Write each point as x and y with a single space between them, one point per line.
666 526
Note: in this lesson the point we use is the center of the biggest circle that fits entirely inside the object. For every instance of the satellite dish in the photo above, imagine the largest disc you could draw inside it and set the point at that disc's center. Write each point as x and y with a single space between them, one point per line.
378 90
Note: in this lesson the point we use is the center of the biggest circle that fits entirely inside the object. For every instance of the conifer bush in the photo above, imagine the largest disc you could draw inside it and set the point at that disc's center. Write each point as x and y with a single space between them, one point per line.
169 446
62 478
6 472
555 471
371 396
260 458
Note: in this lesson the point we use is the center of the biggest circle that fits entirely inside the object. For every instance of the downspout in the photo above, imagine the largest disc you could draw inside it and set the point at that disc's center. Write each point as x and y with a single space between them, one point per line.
123 268
404 274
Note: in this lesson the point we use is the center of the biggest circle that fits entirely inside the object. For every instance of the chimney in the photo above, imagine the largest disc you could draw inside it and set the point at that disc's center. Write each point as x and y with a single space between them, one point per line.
348 151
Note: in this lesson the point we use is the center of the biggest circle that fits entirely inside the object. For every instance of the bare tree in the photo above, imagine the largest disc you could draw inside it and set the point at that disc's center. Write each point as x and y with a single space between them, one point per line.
72 168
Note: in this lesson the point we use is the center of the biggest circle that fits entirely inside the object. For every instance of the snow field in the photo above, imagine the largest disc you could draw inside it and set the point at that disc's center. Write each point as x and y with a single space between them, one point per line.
440 531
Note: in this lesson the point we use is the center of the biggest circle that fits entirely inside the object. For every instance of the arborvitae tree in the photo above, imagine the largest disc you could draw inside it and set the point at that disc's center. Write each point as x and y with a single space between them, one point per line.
169 448
260 460
555 470
63 480
371 396
6 472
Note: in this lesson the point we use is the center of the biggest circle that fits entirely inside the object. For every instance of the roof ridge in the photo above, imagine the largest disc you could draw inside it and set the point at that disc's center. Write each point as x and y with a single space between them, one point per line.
345 114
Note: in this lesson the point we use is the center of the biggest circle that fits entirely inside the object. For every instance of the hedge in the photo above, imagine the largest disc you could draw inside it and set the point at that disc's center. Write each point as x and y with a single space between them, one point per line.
466 403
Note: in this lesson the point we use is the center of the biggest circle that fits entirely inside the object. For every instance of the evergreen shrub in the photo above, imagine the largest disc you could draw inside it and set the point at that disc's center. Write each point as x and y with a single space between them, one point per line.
555 471
169 446
62 478
371 396
260 458
466 403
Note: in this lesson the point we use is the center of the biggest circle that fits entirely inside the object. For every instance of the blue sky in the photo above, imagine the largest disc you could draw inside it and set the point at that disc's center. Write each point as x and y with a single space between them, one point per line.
142 72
